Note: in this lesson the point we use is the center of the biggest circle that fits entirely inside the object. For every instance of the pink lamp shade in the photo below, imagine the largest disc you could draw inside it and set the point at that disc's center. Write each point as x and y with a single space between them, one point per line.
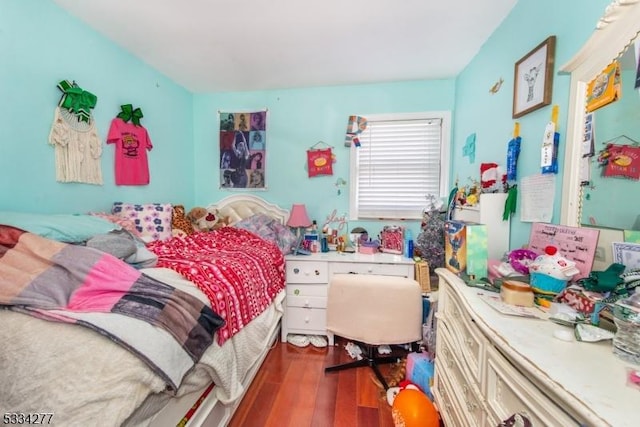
298 217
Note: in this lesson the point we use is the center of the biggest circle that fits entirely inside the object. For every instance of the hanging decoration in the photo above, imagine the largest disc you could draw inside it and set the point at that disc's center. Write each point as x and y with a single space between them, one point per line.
78 149
355 126
132 142
243 145
340 182
550 143
605 88
128 113
76 100
319 160
513 151
622 161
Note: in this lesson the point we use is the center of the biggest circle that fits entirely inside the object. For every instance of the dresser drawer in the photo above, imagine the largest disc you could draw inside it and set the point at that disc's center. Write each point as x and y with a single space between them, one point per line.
372 268
508 391
307 272
312 319
462 384
445 399
465 333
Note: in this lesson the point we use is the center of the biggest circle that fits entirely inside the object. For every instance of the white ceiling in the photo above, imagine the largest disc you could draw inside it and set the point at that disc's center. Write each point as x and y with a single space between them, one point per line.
243 45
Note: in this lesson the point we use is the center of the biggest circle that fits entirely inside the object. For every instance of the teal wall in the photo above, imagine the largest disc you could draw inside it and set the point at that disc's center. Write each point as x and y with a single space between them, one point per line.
489 116
40 45
298 119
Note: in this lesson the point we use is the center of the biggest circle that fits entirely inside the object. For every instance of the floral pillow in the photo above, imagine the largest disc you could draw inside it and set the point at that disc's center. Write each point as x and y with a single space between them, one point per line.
269 229
152 220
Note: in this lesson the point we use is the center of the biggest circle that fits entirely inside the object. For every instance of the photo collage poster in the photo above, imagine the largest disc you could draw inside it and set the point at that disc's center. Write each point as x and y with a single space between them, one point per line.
243 141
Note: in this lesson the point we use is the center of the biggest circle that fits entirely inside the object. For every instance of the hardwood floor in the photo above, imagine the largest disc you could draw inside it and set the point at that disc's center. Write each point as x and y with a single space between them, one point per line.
291 389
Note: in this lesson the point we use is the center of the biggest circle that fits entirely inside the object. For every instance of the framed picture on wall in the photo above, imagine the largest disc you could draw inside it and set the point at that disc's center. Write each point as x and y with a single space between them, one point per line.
533 78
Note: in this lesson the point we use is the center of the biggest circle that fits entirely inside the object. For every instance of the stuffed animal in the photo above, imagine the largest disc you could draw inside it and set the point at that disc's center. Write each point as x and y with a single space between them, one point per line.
180 224
203 219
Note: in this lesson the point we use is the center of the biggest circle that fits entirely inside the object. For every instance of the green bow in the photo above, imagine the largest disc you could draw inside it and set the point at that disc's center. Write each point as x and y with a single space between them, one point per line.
128 113
77 100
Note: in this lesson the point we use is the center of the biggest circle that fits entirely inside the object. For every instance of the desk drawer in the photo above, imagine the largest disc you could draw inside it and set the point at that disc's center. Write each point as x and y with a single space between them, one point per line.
306 302
306 290
372 268
307 272
311 319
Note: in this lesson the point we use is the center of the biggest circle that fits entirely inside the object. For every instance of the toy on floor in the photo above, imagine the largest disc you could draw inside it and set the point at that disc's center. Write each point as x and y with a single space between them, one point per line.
412 408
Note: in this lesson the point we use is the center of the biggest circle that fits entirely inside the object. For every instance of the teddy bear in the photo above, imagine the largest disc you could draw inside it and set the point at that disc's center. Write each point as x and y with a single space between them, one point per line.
203 219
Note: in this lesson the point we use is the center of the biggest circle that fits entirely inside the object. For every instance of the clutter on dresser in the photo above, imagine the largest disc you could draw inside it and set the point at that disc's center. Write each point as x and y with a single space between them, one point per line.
577 244
518 293
551 271
392 239
626 343
466 248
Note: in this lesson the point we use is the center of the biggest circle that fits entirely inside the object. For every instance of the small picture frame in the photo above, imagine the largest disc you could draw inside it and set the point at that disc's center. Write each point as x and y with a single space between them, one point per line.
533 78
392 239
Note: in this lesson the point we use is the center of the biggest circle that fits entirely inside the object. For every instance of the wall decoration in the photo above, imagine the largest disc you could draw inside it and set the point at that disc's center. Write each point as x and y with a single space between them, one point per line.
605 88
340 182
533 78
78 148
320 160
132 142
496 87
355 126
243 145
469 148
623 161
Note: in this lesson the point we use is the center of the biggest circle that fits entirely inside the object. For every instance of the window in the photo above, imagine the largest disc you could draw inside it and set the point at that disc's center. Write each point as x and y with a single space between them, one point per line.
402 159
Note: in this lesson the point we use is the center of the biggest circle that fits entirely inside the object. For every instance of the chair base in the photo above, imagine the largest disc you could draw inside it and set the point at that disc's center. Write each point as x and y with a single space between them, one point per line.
368 359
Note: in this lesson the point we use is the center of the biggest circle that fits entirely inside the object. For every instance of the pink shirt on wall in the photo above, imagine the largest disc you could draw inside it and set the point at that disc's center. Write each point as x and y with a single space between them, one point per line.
132 143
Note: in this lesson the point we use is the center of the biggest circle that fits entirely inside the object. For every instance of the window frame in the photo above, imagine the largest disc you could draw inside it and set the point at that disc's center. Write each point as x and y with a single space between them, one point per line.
445 153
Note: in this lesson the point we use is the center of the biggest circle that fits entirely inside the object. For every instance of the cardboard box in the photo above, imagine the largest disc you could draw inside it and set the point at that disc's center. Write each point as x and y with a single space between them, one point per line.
466 248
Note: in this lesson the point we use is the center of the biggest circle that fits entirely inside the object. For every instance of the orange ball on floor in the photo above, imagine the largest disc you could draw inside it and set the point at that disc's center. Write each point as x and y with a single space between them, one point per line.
412 408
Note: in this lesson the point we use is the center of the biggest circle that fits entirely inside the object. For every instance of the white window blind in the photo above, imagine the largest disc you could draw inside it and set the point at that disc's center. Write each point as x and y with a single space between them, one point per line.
401 160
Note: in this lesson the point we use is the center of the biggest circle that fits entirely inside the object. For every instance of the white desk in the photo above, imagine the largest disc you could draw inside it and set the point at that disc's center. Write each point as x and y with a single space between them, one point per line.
307 278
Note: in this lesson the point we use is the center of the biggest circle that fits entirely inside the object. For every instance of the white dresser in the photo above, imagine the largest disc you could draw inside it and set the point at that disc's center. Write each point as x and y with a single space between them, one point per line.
307 281
490 365
489 211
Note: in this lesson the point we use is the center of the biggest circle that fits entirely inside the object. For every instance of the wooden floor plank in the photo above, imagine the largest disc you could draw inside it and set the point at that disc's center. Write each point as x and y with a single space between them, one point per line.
292 389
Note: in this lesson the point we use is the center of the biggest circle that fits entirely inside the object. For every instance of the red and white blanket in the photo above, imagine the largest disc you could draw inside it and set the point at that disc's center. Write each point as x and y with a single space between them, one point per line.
239 272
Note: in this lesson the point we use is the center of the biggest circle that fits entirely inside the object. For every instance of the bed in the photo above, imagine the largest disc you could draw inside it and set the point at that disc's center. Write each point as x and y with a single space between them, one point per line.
120 369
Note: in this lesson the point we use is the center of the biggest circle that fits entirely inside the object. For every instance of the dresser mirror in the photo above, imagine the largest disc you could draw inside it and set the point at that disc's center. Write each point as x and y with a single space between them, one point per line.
589 198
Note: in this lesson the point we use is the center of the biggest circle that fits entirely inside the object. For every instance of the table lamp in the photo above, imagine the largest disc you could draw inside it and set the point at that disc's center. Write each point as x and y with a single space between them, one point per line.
300 220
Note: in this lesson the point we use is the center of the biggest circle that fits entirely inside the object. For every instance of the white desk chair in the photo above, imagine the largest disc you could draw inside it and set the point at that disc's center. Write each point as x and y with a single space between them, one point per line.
374 310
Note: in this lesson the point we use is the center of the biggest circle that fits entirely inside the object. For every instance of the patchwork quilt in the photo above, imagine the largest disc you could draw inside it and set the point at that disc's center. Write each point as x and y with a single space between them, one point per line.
77 284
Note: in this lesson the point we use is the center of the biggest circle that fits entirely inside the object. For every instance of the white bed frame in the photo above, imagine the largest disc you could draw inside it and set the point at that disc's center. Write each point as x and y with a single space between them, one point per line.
212 412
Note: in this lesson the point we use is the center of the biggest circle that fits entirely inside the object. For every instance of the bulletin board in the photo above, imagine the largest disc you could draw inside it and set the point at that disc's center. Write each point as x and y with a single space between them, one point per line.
577 244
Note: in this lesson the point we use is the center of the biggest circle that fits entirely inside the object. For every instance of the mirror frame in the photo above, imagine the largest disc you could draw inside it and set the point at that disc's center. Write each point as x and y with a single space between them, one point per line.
614 32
